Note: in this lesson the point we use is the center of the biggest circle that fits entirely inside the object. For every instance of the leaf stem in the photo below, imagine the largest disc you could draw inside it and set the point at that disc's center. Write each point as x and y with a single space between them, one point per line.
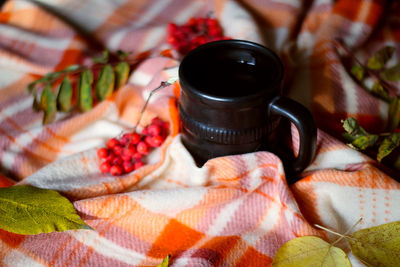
328 230
347 232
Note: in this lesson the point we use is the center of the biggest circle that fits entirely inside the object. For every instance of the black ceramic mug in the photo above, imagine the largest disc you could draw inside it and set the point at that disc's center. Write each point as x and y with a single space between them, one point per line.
230 102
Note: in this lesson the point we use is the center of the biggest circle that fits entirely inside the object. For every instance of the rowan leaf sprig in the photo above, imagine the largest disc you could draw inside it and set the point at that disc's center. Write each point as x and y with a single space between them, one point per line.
53 97
383 77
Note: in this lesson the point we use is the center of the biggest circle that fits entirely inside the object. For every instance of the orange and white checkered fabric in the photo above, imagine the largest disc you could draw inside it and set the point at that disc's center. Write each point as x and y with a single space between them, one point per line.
233 211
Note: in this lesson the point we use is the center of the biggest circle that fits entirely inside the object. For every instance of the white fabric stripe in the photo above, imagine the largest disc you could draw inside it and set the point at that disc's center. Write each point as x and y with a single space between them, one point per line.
28 37
8 77
337 159
19 259
153 37
106 247
224 217
269 220
15 108
349 90
20 65
188 12
91 13
151 13
238 23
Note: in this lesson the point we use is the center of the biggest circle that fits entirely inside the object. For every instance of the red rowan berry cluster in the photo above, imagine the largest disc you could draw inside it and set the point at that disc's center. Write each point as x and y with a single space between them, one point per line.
126 154
195 32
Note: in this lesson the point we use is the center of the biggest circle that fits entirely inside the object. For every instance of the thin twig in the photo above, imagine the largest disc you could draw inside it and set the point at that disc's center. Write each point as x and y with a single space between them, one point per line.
347 232
163 84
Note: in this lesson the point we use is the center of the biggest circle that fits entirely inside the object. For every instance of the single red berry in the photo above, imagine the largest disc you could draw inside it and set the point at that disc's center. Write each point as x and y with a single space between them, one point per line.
135 138
138 164
102 153
126 138
128 166
137 156
142 148
112 142
117 149
158 140
105 167
154 129
125 157
116 170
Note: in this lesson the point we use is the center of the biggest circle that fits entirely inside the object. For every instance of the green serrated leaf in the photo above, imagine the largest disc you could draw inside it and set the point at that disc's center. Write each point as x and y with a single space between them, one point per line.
392 73
64 95
105 83
358 137
122 54
377 246
380 91
388 145
165 262
48 104
351 126
85 91
378 60
393 114
29 210
103 58
365 141
358 72
121 74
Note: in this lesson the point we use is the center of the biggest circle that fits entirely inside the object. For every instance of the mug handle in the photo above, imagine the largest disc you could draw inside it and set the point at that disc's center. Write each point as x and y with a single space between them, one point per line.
305 124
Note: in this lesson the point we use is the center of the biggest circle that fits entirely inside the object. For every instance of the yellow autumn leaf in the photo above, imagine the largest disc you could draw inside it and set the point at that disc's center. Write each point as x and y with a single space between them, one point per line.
309 251
377 246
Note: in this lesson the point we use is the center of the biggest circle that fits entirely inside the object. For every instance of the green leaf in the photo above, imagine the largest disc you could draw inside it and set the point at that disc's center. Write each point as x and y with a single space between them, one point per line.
29 210
48 104
358 72
105 83
358 137
102 59
122 54
31 86
379 59
380 91
351 126
377 246
388 145
85 91
165 262
309 251
365 141
392 73
393 114
64 95
121 73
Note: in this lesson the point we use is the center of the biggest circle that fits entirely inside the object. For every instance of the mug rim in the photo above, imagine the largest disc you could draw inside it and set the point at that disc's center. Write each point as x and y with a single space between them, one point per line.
276 83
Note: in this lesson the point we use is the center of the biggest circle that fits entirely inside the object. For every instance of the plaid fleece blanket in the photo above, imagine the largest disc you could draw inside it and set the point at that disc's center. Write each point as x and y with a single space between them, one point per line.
235 210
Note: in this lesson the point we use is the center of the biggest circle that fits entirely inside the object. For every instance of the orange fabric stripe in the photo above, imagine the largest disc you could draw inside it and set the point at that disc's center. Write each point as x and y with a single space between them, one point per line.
5 182
11 239
253 258
70 57
175 237
174 115
348 9
222 245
